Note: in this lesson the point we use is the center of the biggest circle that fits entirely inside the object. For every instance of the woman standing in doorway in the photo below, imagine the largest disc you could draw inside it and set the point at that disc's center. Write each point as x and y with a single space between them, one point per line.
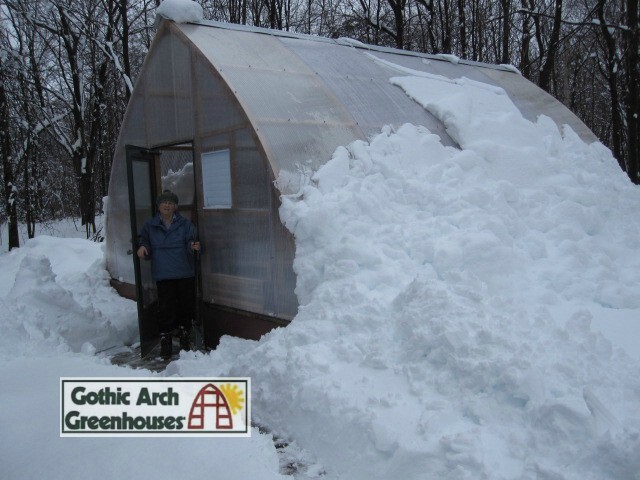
169 241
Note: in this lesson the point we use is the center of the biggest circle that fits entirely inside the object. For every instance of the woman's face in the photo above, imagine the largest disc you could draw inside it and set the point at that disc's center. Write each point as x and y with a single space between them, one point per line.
167 208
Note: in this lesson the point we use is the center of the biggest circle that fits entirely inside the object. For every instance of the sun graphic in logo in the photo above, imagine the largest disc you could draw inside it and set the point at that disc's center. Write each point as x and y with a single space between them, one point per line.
234 396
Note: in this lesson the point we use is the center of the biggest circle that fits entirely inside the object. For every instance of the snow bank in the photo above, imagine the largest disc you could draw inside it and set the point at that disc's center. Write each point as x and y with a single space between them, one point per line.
56 312
73 309
32 448
447 297
64 228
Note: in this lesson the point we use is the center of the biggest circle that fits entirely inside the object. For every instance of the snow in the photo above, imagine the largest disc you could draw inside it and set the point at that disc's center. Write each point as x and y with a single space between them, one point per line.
448 57
351 42
511 68
57 313
181 11
465 313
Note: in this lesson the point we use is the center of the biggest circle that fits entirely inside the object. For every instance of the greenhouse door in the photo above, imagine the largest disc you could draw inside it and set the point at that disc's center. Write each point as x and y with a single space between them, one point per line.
141 174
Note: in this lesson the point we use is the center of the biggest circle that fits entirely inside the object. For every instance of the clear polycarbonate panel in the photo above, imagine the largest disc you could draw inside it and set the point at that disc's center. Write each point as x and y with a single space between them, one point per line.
242 264
533 102
168 89
170 70
133 128
300 149
237 261
216 103
280 94
295 117
291 98
245 138
253 183
243 255
364 88
172 119
227 47
143 188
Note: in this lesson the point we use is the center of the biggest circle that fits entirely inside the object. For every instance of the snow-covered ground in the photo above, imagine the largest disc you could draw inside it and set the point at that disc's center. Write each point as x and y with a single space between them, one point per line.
57 313
465 313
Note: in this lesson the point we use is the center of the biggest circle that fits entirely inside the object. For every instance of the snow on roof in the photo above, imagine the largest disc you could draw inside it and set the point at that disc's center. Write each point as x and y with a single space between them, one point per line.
180 11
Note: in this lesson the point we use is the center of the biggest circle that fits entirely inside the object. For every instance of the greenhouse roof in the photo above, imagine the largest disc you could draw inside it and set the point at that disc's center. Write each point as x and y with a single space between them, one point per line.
307 95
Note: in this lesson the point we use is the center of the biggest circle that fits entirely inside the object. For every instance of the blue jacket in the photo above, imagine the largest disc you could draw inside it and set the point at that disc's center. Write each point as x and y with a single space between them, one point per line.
169 248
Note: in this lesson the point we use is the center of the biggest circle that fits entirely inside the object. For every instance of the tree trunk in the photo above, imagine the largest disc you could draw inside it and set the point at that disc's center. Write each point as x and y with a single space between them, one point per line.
525 49
397 6
544 81
462 20
446 27
126 60
82 163
611 75
7 167
632 97
506 31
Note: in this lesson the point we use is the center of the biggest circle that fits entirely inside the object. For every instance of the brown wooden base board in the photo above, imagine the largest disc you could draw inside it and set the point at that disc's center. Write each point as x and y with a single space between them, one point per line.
218 320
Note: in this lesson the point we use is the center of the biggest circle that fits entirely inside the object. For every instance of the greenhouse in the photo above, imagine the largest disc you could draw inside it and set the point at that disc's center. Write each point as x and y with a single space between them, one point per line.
230 118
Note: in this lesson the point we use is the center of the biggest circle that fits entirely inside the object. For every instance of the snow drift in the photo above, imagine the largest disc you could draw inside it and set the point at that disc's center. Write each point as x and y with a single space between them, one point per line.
446 300
57 312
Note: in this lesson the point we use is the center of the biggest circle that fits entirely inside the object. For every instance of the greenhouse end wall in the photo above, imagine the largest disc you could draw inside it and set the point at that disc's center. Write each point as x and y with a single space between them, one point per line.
247 257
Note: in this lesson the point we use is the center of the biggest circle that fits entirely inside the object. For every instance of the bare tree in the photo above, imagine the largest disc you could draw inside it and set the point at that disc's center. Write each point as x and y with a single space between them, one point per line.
10 197
609 69
631 39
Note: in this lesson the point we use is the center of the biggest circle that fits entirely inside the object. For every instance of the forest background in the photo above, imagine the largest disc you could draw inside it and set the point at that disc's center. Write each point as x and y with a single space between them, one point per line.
67 70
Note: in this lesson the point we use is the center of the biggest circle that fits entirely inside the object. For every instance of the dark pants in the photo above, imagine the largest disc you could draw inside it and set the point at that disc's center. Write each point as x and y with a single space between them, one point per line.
176 301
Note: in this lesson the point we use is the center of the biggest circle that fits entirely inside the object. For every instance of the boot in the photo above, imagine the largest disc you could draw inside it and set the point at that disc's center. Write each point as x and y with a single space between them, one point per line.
165 345
185 339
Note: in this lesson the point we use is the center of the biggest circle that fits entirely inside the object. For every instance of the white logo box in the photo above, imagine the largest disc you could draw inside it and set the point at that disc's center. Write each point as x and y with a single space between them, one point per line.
140 406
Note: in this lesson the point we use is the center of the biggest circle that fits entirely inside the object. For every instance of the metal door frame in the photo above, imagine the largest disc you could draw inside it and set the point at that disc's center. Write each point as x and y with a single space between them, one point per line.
147 333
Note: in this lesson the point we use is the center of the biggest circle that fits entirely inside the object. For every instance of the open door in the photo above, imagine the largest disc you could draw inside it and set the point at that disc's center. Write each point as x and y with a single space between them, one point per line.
141 173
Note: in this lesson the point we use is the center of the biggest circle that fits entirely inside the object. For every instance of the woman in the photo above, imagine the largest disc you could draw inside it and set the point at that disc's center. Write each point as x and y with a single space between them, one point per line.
169 241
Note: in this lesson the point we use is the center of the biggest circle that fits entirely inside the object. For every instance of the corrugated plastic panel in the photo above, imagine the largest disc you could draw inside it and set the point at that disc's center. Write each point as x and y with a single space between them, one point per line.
226 47
533 102
167 92
307 145
364 89
295 115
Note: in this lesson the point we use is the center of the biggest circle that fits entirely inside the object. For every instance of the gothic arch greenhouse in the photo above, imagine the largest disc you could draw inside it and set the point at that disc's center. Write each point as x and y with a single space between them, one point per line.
220 112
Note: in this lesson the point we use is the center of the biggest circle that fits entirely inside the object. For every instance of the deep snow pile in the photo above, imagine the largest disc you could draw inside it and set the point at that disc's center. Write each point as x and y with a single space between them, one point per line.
446 302
57 312
71 310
